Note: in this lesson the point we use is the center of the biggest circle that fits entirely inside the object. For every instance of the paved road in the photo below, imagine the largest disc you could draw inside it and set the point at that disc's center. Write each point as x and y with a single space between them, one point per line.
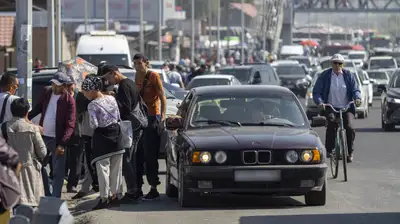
371 196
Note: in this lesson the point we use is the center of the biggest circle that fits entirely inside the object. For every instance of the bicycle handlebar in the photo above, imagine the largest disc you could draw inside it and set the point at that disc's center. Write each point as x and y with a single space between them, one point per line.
341 110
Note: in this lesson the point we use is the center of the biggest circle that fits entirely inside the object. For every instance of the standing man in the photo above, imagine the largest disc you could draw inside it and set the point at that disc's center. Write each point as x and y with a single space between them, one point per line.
9 85
174 77
127 98
57 107
151 90
337 87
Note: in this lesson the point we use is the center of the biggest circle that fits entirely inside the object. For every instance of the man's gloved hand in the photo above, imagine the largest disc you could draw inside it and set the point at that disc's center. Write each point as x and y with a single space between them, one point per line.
321 106
358 102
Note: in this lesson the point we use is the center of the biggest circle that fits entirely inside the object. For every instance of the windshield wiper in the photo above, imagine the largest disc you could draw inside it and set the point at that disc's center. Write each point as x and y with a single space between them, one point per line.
270 124
220 122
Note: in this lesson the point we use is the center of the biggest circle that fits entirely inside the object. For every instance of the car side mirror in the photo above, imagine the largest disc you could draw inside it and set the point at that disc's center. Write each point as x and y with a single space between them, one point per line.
178 105
174 122
382 88
365 82
318 121
372 81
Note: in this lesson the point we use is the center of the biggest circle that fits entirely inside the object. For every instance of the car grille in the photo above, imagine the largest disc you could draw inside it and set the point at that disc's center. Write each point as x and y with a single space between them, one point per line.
256 157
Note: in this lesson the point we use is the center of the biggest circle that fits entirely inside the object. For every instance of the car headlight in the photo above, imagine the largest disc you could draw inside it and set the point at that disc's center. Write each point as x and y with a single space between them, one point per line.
205 157
292 156
306 156
220 157
393 100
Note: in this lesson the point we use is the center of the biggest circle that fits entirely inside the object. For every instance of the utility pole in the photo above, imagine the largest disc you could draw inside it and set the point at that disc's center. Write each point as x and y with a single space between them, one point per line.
86 17
193 34
24 47
50 34
141 28
218 30
242 38
106 23
160 23
58 32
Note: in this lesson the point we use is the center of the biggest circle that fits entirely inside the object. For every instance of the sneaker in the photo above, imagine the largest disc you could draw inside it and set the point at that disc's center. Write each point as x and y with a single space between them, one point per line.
101 205
152 195
132 198
79 195
71 190
114 202
350 158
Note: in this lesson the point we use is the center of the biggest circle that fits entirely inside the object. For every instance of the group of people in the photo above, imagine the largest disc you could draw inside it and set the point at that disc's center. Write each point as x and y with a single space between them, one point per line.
85 122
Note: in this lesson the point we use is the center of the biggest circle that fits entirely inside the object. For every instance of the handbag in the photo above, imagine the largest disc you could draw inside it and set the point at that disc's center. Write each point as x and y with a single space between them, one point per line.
126 131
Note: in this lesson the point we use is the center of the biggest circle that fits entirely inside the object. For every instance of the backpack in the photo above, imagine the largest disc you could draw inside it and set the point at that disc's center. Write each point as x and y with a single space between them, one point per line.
140 112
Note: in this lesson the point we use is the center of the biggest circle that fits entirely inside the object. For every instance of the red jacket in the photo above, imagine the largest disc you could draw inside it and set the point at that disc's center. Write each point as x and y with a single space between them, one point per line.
65 117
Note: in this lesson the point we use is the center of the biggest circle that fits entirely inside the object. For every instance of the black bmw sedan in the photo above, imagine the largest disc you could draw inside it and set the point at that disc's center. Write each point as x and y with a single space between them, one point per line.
390 102
246 140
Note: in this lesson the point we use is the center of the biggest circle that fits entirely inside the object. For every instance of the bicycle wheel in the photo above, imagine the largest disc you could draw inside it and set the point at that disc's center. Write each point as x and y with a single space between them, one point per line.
344 152
335 158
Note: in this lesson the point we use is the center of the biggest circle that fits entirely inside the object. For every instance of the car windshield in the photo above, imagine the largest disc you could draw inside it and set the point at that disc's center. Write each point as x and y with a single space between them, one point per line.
208 82
356 56
265 110
382 63
241 74
377 75
290 70
304 61
115 59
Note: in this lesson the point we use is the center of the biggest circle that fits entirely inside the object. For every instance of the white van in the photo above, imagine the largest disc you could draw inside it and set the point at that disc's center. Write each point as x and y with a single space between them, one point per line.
291 50
106 46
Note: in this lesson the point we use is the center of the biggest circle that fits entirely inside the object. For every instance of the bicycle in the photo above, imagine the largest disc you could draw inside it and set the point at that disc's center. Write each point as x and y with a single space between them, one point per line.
341 149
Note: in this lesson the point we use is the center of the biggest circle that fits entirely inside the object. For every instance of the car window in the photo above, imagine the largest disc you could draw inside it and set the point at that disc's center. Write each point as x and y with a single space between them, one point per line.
185 104
290 70
396 82
356 56
382 63
377 75
208 82
241 74
266 109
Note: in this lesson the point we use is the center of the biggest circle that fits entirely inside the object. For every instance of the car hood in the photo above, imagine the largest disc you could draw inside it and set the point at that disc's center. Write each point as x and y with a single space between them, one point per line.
394 92
232 138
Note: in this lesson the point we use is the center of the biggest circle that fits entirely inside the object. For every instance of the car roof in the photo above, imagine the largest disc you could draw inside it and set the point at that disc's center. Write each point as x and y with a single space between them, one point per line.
357 52
214 76
242 89
156 62
285 62
377 70
380 57
236 67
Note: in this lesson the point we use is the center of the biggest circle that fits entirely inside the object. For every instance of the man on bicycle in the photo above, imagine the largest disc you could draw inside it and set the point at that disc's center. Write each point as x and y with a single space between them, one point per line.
337 86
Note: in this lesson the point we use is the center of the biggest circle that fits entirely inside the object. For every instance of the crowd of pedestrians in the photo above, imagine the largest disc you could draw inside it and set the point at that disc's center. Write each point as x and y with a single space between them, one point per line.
82 124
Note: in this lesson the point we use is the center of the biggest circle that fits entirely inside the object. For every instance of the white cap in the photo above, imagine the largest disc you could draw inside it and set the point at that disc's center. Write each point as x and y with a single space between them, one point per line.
337 58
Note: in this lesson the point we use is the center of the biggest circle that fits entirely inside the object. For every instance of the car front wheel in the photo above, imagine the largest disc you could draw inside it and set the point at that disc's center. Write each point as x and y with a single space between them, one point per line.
316 198
185 197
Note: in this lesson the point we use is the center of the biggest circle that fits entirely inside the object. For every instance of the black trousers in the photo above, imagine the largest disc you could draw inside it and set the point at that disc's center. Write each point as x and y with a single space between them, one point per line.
88 155
147 154
74 163
129 168
331 128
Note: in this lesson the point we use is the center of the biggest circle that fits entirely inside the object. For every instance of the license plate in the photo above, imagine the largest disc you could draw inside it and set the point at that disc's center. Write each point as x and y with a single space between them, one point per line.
257 175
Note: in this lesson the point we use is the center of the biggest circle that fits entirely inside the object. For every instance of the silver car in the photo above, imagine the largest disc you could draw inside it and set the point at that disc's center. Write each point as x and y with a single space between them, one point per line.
380 77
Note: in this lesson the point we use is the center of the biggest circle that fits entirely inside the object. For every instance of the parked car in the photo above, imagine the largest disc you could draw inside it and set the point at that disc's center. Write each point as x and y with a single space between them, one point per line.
215 149
380 77
212 80
390 103
253 74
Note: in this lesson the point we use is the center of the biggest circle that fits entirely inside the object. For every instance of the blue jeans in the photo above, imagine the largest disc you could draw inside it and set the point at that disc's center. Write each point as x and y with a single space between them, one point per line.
58 162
